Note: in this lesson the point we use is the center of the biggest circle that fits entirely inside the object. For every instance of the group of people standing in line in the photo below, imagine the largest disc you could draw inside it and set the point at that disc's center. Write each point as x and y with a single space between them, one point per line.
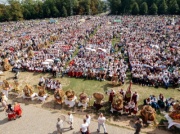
84 127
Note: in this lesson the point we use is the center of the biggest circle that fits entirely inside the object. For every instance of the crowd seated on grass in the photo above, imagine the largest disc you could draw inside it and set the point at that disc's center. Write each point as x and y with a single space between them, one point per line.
160 103
50 84
148 46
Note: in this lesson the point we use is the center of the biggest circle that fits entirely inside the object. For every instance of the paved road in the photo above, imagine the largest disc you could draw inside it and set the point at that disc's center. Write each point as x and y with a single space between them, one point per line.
41 121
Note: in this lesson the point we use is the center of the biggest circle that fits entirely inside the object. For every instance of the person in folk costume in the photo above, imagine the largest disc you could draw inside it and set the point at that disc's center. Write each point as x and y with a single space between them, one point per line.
135 97
111 95
17 109
4 100
130 107
135 110
122 92
147 101
161 101
128 94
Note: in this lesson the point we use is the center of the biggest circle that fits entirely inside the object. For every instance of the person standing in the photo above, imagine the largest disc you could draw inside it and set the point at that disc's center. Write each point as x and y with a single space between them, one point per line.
135 97
17 109
71 120
84 127
4 100
111 95
59 126
88 121
101 122
138 126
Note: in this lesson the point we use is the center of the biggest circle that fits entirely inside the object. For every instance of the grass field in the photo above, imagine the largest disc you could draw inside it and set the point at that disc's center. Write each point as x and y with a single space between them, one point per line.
90 86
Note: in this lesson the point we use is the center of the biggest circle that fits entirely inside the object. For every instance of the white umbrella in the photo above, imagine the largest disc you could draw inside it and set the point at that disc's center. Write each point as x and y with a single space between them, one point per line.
82 20
104 50
49 60
94 50
88 48
45 63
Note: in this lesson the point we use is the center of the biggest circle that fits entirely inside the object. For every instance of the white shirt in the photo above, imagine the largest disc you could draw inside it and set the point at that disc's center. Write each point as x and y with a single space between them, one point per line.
101 120
59 124
88 120
71 118
84 127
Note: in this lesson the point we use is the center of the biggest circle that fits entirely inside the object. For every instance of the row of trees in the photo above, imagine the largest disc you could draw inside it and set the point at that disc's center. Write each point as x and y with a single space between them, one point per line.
144 7
37 9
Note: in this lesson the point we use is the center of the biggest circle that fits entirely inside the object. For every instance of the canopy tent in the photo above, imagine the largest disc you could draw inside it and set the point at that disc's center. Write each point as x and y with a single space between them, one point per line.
117 21
104 50
45 63
82 20
90 49
56 60
49 60
52 21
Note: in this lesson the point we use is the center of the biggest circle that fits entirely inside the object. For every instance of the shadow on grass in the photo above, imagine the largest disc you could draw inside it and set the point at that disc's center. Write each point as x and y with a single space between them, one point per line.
15 98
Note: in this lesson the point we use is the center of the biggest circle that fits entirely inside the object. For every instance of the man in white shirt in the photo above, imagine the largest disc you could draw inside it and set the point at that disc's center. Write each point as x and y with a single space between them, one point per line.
101 122
84 127
59 126
88 119
71 118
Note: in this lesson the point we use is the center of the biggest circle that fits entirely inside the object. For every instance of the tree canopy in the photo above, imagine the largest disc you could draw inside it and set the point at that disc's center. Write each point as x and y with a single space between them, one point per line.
144 7
37 9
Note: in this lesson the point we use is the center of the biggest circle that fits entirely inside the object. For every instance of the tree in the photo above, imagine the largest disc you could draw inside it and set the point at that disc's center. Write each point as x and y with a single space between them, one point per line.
115 6
163 7
173 7
5 13
64 12
135 9
15 10
54 11
144 8
153 9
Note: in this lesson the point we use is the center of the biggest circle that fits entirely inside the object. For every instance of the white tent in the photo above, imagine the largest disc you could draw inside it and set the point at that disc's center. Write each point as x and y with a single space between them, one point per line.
45 63
49 60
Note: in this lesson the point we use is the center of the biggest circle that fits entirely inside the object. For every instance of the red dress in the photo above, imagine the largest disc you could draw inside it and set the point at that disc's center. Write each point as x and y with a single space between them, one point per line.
11 115
18 110
134 98
111 96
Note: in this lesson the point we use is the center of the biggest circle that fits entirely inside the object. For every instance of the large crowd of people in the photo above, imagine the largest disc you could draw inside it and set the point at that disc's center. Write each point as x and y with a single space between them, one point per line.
96 47
83 47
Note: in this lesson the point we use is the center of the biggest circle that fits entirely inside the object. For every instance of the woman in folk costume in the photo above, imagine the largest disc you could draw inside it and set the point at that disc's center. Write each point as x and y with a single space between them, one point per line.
10 112
111 95
49 84
128 94
52 85
130 107
17 109
135 97
135 110
4 100
122 92
161 101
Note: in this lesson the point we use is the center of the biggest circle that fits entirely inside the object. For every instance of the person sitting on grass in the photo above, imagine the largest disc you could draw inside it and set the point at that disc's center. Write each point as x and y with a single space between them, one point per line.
154 103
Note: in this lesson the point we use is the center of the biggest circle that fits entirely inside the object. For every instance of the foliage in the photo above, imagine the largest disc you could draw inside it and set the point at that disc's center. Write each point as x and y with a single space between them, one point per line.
163 7
36 9
135 9
145 7
153 9
173 7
